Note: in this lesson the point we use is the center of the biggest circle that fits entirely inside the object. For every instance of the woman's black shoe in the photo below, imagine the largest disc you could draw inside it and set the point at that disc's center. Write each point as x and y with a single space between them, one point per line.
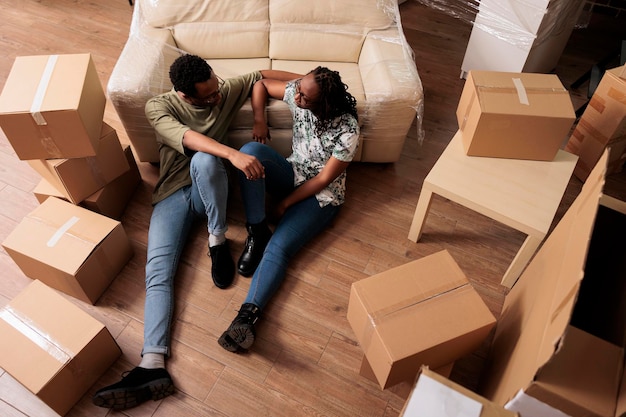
240 334
258 236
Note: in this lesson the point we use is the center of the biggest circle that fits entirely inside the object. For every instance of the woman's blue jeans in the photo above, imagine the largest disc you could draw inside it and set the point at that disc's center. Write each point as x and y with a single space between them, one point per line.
171 221
300 223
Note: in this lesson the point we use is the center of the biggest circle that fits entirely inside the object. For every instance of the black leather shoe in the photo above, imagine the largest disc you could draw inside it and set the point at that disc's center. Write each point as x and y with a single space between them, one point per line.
258 236
136 387
241 333
223 267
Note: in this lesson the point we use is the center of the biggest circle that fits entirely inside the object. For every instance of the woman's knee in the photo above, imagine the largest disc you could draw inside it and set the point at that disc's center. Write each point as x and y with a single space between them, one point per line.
253 148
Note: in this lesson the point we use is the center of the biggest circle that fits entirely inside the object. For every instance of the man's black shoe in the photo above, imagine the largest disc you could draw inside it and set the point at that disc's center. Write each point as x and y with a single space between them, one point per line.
223 267
258 236
136 387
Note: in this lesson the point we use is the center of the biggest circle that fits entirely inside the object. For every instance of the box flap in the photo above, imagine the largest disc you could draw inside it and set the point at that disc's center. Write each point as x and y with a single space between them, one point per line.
60 234
37 342
538 308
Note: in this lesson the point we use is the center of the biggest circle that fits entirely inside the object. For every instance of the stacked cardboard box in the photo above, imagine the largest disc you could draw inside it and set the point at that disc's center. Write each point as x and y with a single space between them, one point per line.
514 115
602 126
51 111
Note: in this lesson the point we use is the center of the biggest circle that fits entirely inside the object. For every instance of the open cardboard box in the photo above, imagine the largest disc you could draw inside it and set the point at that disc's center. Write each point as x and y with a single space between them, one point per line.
559 343
434 395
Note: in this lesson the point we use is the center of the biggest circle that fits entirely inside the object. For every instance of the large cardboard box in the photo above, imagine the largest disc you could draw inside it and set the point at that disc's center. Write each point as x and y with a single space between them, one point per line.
602 126
69 248
559 342
434 395
78 178
514 115
52 347
111 200
423 312
52 106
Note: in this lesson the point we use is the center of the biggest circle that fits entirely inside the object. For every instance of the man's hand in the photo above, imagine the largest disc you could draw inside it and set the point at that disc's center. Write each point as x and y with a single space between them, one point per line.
260 132
249 165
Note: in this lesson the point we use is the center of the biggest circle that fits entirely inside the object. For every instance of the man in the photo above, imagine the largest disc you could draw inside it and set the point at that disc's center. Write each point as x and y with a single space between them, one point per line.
191 122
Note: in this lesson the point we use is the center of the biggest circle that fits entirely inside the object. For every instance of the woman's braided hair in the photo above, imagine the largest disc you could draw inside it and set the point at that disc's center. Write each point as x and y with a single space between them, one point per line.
335 100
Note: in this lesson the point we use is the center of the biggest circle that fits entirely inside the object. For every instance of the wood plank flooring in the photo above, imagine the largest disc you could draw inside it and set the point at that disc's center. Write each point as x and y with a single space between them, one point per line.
306 361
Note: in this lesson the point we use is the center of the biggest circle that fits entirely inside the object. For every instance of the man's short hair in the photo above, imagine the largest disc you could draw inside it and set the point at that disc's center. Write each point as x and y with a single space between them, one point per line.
186 71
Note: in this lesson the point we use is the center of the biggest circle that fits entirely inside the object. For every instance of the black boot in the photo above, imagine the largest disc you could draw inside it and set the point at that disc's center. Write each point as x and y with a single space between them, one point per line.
136 387
258 236
240 334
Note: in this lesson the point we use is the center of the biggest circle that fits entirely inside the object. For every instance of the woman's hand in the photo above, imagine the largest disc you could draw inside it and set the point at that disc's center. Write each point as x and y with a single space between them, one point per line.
260 132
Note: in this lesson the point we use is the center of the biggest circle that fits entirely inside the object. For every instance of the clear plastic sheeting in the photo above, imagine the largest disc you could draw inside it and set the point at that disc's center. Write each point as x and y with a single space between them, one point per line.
362 39
519 22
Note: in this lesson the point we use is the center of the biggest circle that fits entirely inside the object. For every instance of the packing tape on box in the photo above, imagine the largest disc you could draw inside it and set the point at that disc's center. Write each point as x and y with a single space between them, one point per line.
28 329
96 172
56 236
382 315
44 81
522 96
45 136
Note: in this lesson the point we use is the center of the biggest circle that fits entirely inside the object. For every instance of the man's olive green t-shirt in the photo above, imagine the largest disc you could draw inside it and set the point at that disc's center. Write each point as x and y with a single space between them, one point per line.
171 117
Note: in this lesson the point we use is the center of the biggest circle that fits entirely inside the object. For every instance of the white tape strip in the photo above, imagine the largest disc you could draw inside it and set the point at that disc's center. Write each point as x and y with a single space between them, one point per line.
37 336
521 91
61 231
35 108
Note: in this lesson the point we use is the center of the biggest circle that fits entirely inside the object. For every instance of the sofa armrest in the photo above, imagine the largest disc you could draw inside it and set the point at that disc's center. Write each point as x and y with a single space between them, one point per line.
140 73
392 86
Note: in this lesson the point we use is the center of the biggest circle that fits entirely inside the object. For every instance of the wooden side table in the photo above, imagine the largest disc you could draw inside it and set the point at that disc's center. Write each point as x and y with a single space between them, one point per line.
521 194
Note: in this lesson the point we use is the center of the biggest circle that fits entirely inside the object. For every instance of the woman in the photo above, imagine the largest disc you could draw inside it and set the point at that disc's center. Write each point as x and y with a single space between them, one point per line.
308 186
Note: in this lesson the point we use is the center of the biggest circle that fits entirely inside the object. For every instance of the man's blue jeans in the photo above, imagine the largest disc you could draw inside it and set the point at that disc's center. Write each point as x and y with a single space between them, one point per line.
171 221
300 223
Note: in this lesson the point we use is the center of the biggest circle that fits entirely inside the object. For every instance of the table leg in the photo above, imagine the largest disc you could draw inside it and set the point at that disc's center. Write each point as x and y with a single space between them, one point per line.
528 249
421 210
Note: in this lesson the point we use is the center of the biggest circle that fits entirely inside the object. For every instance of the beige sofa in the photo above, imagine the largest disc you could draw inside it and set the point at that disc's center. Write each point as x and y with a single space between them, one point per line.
362 39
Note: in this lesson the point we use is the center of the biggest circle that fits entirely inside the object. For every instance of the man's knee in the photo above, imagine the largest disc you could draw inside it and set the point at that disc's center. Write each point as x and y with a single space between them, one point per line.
204 162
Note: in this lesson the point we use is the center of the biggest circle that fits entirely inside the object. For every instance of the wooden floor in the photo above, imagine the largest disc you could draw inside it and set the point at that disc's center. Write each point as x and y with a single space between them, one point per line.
306 360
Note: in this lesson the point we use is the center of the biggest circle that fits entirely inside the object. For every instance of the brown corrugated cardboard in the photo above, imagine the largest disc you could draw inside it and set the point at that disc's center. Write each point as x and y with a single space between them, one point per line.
602 125
112 199
52 347
514 115
544 346
52 106
78 178
434 395
423 312
69 248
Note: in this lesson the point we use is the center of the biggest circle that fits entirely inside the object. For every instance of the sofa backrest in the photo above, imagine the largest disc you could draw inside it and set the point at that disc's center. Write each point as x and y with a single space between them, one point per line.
325 30
213 28
302 30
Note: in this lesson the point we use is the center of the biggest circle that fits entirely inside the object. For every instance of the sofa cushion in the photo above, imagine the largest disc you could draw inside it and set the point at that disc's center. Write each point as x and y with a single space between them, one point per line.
325 30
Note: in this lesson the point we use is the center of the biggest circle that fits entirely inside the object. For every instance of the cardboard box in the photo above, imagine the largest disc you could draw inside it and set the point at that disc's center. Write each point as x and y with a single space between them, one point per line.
78 178
560 339
514 115
602 125
423 312
52 347
434 395
52 106
111 200
69 248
